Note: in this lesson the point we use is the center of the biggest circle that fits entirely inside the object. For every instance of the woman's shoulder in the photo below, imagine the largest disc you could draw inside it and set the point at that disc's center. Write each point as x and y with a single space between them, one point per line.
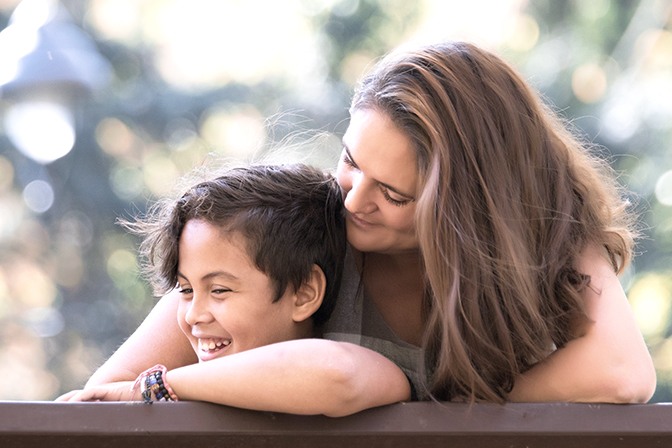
596 262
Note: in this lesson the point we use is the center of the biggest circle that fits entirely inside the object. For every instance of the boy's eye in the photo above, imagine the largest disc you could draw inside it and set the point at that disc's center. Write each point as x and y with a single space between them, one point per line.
185 290
220 290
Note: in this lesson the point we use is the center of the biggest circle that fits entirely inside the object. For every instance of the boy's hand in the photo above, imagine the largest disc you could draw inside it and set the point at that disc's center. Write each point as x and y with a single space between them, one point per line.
120 391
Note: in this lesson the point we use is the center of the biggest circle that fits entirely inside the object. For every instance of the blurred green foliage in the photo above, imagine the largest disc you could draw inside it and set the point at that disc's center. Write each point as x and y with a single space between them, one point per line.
191 79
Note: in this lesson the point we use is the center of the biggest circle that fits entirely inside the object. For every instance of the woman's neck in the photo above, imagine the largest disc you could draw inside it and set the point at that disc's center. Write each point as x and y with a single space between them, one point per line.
395 283
408 264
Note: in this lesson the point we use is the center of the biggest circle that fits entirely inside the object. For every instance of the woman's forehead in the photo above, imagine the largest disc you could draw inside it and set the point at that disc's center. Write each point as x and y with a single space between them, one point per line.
380 149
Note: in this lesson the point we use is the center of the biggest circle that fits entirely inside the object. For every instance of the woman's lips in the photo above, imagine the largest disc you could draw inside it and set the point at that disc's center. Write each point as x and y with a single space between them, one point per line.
360 222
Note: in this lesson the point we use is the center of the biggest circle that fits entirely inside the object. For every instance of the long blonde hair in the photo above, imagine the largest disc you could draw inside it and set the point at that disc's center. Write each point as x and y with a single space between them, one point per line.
509 200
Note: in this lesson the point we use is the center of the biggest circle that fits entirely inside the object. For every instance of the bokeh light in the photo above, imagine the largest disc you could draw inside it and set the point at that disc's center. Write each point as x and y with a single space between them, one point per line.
115 19
15 42
594 9
127 182
664 188
115 138
42 291
523 34
455 19
11 214
122 267
160 174
656 47
589 83
76 228
23 366
56 135
650 300
5 308
239 133
38 196
6 174
209 43
44 322
33 238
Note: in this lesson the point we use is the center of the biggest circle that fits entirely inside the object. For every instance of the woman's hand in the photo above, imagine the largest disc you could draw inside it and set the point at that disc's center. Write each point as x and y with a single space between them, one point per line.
608 362
120 391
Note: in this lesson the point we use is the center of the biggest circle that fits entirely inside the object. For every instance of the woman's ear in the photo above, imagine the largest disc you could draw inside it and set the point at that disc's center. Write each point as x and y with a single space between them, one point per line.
308 299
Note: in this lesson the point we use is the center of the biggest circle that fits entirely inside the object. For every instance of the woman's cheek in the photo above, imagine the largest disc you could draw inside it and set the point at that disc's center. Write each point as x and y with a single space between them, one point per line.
405 221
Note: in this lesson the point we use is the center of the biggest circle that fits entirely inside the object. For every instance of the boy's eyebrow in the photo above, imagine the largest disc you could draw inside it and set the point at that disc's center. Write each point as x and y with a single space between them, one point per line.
389 187
210 275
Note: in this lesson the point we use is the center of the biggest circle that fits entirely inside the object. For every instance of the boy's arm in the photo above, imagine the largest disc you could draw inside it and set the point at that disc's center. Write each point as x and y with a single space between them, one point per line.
303 376
609 362
158 340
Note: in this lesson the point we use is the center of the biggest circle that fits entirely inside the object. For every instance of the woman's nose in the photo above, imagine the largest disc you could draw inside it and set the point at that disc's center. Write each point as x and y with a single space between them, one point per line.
359 198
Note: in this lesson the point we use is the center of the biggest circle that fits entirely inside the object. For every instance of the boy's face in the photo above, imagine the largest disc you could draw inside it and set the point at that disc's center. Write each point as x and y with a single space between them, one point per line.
226 303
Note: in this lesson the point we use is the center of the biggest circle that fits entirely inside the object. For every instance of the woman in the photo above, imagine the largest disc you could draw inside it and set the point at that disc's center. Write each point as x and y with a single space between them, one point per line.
486 244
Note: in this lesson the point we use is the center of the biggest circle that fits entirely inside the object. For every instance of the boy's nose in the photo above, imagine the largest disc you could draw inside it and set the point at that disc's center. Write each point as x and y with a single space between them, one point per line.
197 312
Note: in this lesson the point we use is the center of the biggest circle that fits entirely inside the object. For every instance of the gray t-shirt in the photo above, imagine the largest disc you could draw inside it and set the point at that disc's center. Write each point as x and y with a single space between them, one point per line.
355 319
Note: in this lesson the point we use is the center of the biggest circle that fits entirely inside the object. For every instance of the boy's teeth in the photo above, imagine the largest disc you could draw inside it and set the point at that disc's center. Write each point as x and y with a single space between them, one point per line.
212 345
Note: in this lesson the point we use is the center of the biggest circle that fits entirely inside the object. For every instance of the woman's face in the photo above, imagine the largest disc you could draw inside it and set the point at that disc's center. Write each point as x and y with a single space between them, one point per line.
378 174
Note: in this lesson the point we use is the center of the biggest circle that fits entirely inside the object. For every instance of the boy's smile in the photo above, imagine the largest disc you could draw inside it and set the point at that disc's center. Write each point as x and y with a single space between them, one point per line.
227 303
212 346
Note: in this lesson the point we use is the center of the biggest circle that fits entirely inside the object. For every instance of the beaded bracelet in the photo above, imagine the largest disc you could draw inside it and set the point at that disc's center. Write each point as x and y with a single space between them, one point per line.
153 381
157 386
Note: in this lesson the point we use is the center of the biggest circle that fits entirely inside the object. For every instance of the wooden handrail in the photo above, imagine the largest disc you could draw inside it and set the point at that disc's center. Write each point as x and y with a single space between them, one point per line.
426 424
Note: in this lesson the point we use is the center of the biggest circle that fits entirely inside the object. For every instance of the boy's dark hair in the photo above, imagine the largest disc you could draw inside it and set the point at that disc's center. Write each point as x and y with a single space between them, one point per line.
291 216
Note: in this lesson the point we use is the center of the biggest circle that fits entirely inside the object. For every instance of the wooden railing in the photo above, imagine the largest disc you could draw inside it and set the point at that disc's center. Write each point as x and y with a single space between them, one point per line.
201 425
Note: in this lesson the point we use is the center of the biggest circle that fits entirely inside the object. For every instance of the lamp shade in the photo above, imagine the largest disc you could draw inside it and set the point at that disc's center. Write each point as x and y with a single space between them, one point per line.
42 48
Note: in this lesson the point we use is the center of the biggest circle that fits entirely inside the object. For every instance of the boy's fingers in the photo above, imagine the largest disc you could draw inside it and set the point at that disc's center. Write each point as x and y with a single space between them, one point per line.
68 396
112 392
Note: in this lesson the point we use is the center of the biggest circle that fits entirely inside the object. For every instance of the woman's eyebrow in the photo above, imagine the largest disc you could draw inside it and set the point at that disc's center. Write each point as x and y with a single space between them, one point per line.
389 187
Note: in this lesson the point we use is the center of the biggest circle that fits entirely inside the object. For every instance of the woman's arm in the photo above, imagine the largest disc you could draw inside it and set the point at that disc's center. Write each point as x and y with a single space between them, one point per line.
608 362
158 340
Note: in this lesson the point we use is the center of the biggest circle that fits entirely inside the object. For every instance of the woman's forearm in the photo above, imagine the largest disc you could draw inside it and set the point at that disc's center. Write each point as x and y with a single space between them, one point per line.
609 361
304 376
584 371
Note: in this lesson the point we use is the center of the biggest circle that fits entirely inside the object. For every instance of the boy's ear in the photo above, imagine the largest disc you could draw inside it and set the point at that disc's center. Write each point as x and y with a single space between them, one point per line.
309 297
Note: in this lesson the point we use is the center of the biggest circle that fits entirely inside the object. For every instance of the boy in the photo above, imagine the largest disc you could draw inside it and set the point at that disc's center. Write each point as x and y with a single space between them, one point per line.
257 254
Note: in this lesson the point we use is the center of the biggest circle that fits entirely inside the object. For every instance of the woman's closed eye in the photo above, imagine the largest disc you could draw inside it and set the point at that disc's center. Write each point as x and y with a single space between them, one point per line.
393 201
399 202
348 161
